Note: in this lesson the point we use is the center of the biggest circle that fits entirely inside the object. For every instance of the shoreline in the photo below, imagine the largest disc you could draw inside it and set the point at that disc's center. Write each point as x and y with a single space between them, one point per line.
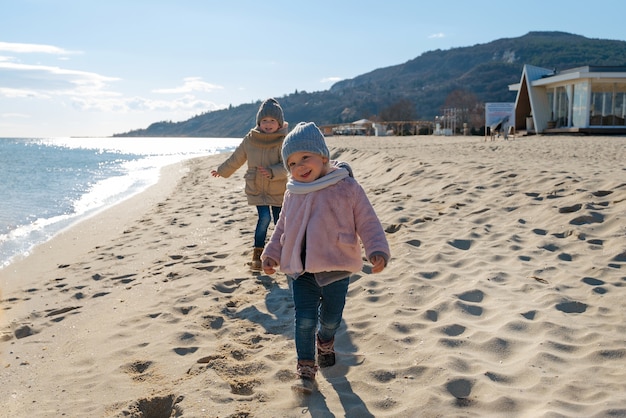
504 293
147 158
102 225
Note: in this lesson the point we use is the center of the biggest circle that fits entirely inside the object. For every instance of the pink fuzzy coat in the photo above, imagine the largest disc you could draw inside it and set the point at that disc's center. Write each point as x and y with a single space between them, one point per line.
332 220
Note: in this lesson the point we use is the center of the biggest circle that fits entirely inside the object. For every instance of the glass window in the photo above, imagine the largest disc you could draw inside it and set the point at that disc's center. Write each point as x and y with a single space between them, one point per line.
561 106
608 102
620 104
579 109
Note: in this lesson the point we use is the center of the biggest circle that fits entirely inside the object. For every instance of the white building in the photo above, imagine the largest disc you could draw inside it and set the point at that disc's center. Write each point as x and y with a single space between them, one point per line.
589 99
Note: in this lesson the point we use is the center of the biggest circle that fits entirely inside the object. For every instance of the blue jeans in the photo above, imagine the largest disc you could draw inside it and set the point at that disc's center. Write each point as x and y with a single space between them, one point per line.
318 310
260 233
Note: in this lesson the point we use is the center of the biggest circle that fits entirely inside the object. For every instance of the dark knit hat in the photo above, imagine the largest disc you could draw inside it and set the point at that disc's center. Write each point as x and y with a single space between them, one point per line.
305 136
270 108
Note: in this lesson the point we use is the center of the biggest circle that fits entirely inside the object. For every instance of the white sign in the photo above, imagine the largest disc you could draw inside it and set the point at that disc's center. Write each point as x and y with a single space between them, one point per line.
502 114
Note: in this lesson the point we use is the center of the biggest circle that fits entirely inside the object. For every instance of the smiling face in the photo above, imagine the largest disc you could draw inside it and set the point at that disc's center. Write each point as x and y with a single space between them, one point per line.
268 125
306 167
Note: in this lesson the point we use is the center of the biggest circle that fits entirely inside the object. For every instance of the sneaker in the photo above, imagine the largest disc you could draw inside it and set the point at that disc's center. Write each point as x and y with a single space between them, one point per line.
325 352
306 377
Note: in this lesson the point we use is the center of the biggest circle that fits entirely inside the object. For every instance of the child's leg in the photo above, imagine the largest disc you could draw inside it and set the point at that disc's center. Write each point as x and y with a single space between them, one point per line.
262 224
306 299
331 310
276 213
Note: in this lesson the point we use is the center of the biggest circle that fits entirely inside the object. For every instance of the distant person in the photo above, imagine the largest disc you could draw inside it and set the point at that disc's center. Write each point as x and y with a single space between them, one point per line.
316 244
266 175
505 130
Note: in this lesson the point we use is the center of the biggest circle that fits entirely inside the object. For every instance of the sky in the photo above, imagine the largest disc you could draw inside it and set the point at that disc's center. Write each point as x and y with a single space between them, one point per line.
101 67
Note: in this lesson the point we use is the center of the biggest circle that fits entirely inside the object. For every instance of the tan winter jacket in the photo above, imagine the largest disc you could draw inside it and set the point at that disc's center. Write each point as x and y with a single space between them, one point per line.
260 150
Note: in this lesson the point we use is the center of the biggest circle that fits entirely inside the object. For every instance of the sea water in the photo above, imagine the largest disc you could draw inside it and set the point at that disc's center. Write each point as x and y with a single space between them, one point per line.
49 184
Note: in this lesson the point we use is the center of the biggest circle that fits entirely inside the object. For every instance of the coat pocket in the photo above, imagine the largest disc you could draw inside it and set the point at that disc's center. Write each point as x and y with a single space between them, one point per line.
252 186
348 239
277 187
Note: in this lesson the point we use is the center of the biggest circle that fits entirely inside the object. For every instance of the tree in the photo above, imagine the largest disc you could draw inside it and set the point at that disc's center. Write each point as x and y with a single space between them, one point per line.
402 110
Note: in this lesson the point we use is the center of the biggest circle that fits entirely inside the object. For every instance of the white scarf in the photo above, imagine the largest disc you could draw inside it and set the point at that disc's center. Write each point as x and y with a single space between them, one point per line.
334 177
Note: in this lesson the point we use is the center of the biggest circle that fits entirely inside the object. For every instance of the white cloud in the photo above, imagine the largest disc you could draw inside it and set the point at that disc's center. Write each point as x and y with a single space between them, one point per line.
78 89
11 93
190 84
14 116
437 35
187 105
330 79
90 91
34 48
26 83
37 81
48 77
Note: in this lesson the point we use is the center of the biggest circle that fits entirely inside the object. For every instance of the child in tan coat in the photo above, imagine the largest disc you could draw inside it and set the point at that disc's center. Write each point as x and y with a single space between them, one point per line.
266 175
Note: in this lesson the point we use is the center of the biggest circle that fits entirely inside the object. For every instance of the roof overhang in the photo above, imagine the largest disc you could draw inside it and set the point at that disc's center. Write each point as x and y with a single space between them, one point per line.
578 75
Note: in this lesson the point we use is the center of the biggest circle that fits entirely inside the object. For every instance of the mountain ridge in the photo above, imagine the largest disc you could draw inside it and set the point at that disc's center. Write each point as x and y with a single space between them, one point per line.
420 87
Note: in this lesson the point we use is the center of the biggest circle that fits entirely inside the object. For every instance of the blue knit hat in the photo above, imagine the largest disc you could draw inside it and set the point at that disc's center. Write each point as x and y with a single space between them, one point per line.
270 108
305 136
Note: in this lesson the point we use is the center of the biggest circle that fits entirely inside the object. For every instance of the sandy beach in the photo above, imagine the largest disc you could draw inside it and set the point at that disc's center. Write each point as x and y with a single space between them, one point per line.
505 295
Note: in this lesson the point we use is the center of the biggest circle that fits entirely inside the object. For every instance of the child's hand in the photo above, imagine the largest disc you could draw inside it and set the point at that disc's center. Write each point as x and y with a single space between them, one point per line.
264 172
214 173
378 263
269 266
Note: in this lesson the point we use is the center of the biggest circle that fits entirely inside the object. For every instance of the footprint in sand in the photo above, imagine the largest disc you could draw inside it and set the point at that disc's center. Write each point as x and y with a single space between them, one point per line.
432 315
530 315
136 368
414 243
22 331
461 244
602 193
473 296
597 285
570 209
568 306
56 312
183 351
453 330
461 389
232 365
156 406
228 286
592 218
212 322
125 278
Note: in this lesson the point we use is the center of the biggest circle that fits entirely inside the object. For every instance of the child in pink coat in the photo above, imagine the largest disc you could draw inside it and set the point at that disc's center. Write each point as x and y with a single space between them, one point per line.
317 243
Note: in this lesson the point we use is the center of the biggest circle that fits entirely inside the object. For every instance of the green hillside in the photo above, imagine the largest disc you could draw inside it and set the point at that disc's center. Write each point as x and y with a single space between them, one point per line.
417 89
